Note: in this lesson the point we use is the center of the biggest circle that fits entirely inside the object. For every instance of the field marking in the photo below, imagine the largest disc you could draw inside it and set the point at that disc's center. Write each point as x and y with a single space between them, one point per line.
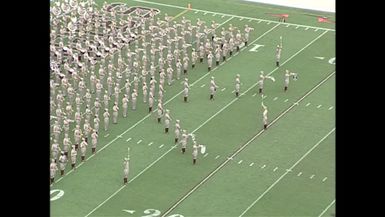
252 18
128 139
323 212
139 141
205 13
319 106
307 28
307 104
324 179
145 169
275 98
251 164
183 12
283 175
217 157
287 25
241 19
299 174
230 158
223 89
239 162
106 135
330 108
286 100
268 23
195 12
206 155
233 91
203 85
315 30
275 169
296 27
222 16
312 176
161 145
214 15
149 144
254 94
264 165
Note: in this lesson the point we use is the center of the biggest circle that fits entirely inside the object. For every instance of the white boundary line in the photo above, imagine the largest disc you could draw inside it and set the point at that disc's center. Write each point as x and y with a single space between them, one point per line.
323 212
295 164
244 146
252 18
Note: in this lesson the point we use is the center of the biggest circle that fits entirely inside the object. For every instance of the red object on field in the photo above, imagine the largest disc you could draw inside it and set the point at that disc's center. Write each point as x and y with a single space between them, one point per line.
324 20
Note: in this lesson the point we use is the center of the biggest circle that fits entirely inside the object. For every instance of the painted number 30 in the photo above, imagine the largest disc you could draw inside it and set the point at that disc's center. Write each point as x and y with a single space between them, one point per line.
58 195
155 212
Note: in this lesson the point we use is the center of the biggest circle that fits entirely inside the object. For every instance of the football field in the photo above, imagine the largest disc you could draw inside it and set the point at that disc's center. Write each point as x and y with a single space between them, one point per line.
286 170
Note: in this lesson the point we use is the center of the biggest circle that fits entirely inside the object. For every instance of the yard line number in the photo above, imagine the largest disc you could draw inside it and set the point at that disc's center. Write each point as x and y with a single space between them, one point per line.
155 212
58 195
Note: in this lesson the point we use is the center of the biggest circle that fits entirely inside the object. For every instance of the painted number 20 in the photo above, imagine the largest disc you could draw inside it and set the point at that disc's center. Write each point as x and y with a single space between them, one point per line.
155 212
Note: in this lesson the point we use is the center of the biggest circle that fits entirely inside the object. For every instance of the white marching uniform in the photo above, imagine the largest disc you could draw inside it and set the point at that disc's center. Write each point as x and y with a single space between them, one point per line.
83 148
73 156
106 116
115 110
126 169
94 137
125 106
62 162
195 151
53 168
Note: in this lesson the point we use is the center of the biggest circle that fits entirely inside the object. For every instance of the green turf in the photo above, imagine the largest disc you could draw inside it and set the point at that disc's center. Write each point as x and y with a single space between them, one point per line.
231 124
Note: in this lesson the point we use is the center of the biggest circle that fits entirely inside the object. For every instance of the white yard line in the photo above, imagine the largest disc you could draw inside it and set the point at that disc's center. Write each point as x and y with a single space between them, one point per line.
323 212
106 135
264 165
324 179
240 161
149 144
330 108
139 141
299 174
312 176
128 139
237 16
319 106
217 157
283 175
206 155
251 164
275 98
307 104
161 145
275 169
223 89
286 100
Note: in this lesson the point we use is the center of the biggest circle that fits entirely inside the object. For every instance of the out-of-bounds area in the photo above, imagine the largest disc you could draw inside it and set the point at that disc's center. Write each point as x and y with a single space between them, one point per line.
287 169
